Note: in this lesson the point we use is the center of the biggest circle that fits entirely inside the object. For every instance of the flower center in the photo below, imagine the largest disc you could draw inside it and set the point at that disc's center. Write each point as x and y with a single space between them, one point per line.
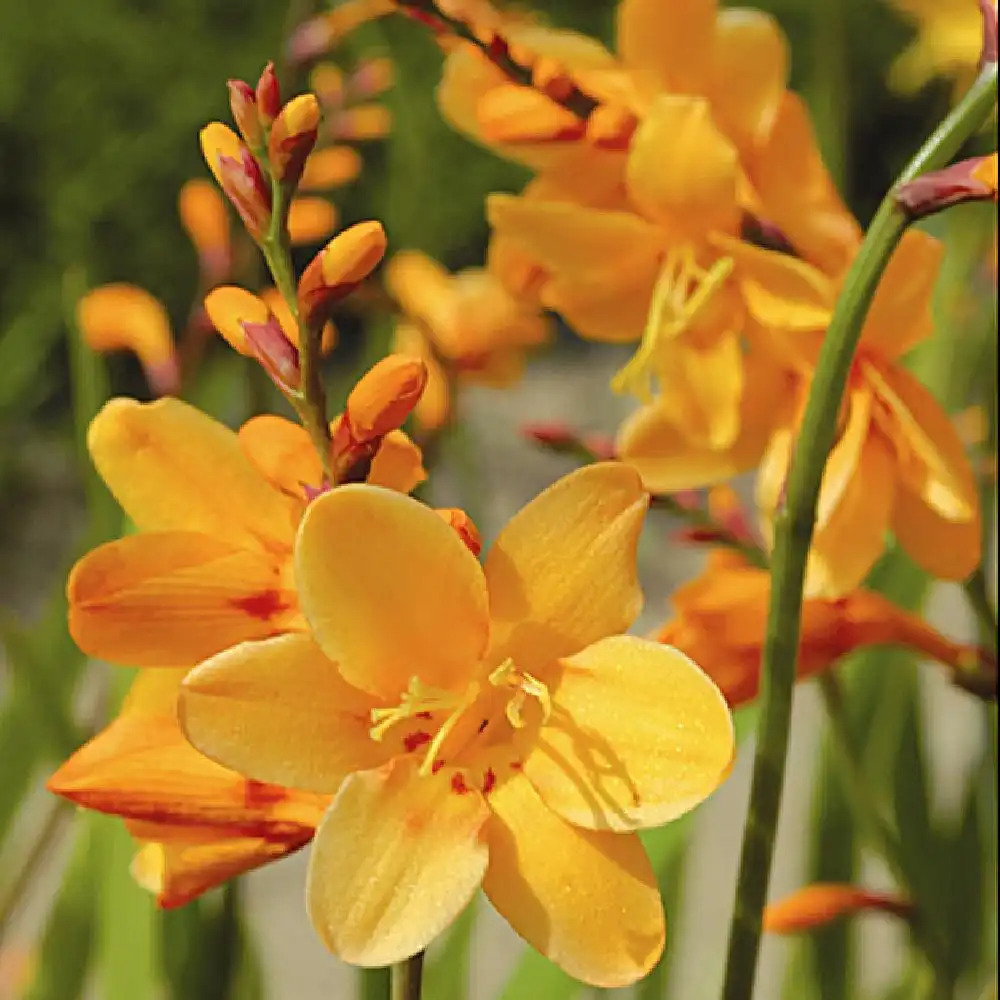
462 717
680 294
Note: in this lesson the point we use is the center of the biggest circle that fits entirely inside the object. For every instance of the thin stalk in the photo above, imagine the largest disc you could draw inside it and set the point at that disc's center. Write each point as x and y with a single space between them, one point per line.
978 594
373 984
794 530
407 977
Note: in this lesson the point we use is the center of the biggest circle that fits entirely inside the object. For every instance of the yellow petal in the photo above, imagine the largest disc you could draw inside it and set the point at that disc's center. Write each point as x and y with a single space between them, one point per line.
161 598
586 900
205 220
282 452
398 464
331 167
311 220
280 712
665 44
228 307
390 591
562 573
750 67
638 736
172 468
681 169
396 859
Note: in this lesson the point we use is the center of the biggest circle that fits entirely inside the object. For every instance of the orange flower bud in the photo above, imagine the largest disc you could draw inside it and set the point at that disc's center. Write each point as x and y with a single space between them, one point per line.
384 397
203 216
279 307
243 104
339 268
310 220
228 308
464 527
330 168
366 121
293 136
268 95
126 317
371 78
239 175
817 905
326 81
974 179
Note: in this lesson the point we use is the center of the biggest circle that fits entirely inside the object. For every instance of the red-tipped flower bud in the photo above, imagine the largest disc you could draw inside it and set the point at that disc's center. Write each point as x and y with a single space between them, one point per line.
293 136
276 353
239 175
974 179
243 104
384 397
268 95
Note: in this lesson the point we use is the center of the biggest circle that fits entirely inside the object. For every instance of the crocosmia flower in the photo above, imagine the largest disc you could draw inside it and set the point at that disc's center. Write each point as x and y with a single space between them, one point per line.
478 725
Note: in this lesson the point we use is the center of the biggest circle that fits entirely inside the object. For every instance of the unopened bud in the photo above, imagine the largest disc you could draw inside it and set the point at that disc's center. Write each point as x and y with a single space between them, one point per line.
371 78
292 138
268 95
384 397
228 308
309 40
817 905
243 104
974 179
566 440
203 216
276 353
239 175
463 526
988 8
330 168
339 268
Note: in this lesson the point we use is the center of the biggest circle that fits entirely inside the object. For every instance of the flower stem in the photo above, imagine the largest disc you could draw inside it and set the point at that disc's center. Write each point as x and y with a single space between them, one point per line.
407 977
794 530
978 594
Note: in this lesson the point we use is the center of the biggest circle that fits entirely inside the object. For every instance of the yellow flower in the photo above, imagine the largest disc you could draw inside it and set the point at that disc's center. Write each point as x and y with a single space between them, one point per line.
463 325
216 514
198 823
477 725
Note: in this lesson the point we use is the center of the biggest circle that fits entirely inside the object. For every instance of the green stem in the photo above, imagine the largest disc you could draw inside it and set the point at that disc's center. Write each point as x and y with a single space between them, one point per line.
794 530
374 984
877 828
407 977
978 594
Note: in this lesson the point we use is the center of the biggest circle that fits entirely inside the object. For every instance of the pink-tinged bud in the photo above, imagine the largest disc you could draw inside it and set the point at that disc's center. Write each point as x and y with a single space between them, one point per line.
989 12
276 353
974 179
309 40
339 268
293 136
243 104
463 526
239 175
371 78
566 440
268 95
384 397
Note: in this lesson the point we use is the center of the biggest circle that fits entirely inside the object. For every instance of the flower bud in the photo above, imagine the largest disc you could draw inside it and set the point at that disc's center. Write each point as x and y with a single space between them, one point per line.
817 905
228 308
463 526
203 216
243 104
988 8
974 179
276 353
292 138
310 220
239 175
330 168
268 95
384 397
339 268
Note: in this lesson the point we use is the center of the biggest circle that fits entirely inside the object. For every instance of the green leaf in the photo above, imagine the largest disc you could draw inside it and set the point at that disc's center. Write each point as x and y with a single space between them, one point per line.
65 952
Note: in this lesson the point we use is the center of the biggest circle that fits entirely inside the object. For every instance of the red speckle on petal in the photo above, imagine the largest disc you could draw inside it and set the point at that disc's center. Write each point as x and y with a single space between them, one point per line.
413 741
516 765
264 605
489 780
436 766
423 715
458 785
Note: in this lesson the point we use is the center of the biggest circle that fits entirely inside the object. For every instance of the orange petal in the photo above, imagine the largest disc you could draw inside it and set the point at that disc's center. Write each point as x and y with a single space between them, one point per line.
282 452
637 737
681 169
280 712
172 468
586 900
398 464
311 220
562 573
749 70
396 859
205 220
275 301
161 598
664 44
228 307
120 316
390 591
331 167
817 905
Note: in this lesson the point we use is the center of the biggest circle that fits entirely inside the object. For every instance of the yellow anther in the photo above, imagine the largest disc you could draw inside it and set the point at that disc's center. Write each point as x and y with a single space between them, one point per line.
449 724
527 685
681 291
418 697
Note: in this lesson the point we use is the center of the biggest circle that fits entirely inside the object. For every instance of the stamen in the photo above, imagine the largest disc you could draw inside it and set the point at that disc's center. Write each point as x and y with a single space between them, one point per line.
681 291
419 699
527 685
448 725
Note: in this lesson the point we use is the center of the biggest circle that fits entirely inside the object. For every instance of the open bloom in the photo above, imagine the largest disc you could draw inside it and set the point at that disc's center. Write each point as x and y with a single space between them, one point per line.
198 824
216 512
721 621
477 725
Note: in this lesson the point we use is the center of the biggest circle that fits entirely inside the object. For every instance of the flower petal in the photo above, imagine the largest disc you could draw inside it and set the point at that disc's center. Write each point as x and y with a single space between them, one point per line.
311 220
586 900
396 859
638 736
278 711
282 452
172 468
390 591
562 573
398 464
168 597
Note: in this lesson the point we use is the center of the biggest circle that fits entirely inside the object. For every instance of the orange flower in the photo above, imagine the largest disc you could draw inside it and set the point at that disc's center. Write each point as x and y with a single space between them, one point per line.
721 619
463 325
203 215
476 724
126 317
198 823
217 512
